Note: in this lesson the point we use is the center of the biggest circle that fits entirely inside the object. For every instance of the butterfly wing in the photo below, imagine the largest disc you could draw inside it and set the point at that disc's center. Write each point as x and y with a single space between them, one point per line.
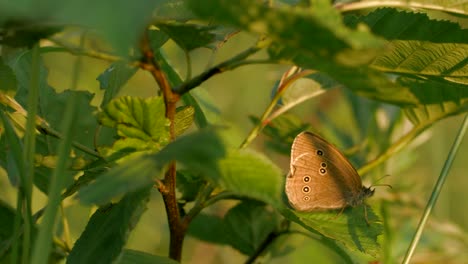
320 177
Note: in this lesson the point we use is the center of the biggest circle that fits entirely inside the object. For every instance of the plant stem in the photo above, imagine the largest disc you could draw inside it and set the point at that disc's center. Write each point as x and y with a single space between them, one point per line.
29 151
42 125
263 246
230 64
351 6
176 229
394 148
437 189
264 120
43 242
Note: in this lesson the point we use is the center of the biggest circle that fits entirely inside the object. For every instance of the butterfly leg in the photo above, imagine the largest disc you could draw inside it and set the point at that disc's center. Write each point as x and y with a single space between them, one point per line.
339 213
365 215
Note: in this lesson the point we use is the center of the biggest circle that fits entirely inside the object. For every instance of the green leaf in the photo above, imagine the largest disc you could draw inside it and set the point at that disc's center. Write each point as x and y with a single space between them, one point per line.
183 119
114 78
248 173
52 104
12 152
248 224
108 229
7 219
157 38
363 80
24 32
445 60
440 100
130 256
209 228
109 18
244 227
141 123
199 152
7 79
349 228
393 24
292 26
191 36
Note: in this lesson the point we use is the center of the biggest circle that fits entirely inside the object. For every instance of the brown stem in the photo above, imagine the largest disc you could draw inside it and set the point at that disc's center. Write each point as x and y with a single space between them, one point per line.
176 229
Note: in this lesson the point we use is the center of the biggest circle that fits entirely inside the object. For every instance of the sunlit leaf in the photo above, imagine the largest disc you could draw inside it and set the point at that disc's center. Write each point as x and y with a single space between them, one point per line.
248 173
183 119
441 99
141 123
199 152
349 228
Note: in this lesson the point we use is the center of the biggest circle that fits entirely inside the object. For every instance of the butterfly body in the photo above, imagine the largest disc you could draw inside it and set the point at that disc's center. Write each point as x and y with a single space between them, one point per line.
321 177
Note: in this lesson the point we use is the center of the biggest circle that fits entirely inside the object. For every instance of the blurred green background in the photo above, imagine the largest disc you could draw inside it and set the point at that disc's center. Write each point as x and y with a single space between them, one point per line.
247 91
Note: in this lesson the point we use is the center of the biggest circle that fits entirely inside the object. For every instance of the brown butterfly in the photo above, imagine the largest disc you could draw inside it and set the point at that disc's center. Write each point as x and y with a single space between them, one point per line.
321 177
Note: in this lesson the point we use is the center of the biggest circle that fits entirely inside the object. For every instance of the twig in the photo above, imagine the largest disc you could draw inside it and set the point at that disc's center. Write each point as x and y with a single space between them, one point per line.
394 148
177 230
230 64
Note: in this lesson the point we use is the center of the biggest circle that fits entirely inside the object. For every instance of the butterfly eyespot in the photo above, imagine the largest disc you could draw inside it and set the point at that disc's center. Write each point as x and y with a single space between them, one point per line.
306 198
322 171
305 189
306 178
319 152
323 164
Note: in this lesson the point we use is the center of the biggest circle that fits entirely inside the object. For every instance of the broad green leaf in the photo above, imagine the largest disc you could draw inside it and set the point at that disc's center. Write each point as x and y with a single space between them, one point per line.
248 224
114 78
191 36
349 227
446 60
11 155
130 256
24 32
112 19
7 79
248 173
141 123
52 104
209 228
393 24
293 26
183 119
108 229
157 39
363 80
440 100
199 152
244 227
7 219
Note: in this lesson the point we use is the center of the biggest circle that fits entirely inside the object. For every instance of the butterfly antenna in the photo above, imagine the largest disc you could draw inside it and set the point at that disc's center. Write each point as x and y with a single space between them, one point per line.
382 184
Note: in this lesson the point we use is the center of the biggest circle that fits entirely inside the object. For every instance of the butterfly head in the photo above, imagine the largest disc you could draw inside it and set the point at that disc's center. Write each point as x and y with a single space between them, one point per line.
361 196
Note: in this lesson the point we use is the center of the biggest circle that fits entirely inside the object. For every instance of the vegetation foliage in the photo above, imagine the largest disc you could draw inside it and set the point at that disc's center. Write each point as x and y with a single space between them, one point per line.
403 60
